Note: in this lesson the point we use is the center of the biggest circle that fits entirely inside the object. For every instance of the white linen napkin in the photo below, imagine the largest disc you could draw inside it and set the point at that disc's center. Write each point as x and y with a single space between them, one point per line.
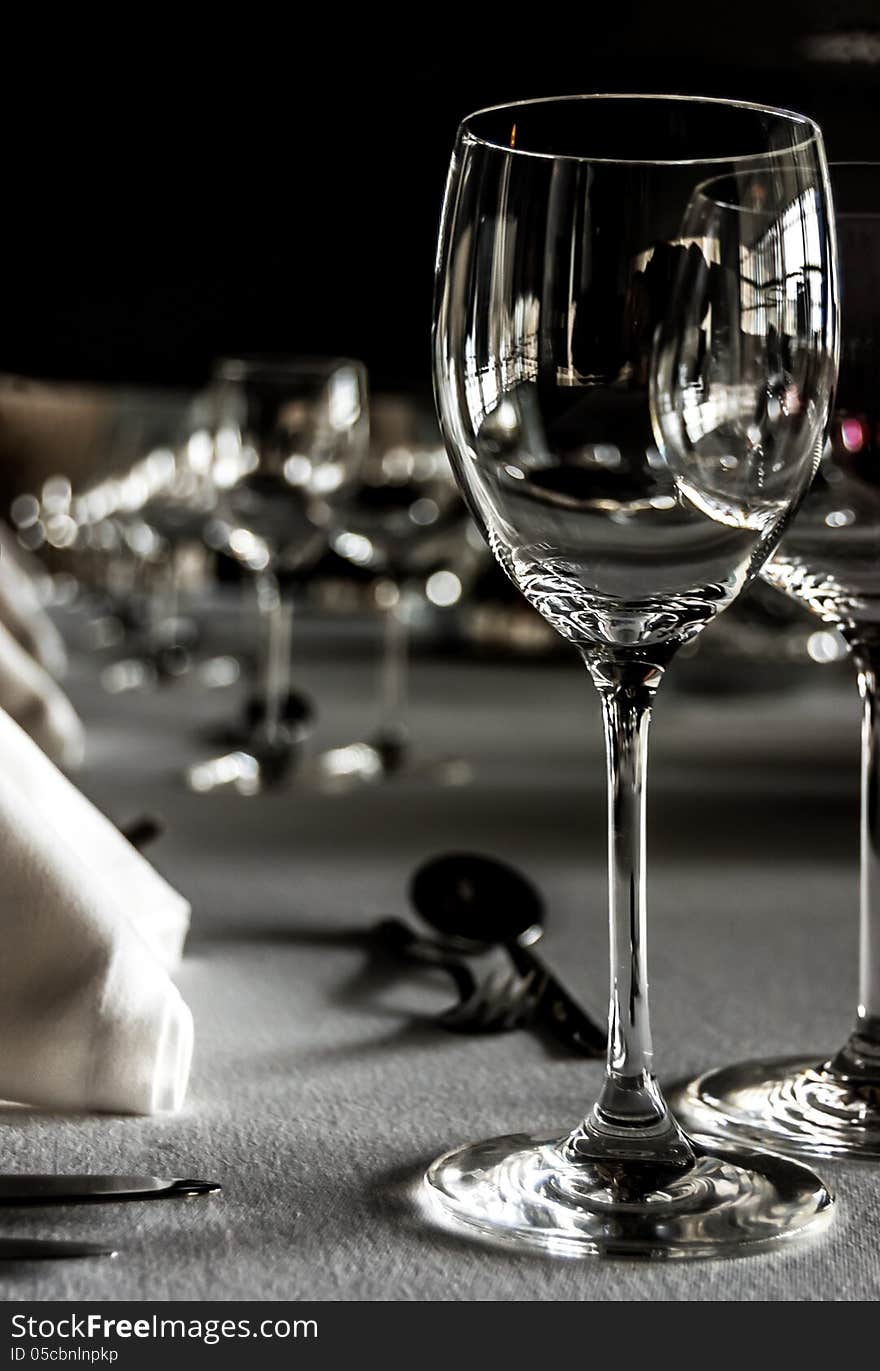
89 1016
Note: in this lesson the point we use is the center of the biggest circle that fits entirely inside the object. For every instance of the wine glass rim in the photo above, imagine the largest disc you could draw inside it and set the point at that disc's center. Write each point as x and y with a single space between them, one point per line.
465 132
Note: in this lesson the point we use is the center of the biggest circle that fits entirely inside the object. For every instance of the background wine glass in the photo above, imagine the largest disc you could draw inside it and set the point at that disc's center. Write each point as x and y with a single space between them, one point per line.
288 432
151 525
829 560
95 521
176 514
563 251
404 520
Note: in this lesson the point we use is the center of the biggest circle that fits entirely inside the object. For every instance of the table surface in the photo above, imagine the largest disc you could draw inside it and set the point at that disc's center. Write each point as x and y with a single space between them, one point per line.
320 1089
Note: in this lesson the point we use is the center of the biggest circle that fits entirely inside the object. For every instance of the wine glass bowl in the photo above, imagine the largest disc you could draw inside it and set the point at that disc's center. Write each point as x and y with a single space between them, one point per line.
615 413
581 497
742 427
287 433
830 560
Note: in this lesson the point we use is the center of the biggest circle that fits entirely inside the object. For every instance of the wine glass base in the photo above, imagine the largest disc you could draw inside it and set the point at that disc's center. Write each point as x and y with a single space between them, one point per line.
146 674
531 1194
247 773
798 1106
368 763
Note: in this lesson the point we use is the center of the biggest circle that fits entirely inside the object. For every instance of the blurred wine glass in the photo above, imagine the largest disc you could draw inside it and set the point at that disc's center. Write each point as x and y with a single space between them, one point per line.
90 522
403 520
173 521
151 524
287 434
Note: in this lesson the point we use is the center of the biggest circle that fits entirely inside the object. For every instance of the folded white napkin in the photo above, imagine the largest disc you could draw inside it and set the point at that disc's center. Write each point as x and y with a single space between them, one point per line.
89 1017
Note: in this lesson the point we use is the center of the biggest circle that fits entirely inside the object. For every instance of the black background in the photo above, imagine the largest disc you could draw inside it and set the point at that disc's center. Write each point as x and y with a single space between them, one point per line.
270 181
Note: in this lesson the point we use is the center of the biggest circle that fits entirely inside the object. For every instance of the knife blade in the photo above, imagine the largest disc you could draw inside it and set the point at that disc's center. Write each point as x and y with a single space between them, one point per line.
34 1189
50 1249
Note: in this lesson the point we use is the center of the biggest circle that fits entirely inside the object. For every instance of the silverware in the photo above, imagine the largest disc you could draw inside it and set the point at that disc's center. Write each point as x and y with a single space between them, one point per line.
476 903
50 1249
143 830
504 1001
397 937
26 1189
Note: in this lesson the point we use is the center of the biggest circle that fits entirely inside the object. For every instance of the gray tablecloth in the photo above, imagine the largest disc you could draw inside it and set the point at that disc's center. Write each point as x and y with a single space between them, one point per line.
317 1094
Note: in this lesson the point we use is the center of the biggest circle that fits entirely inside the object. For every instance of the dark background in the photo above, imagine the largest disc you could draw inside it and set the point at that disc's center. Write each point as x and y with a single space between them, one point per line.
274 185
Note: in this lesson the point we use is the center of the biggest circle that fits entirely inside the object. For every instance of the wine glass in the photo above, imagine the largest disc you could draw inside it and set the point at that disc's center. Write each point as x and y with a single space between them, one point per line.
154 530
287 434
92 518
404 521
176 514
829 560
572 240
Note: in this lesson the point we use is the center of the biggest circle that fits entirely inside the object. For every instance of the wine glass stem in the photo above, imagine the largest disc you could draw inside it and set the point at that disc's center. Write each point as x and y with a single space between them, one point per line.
860 1056
867 660
627 718
630 1113
395 666
276 679
165 596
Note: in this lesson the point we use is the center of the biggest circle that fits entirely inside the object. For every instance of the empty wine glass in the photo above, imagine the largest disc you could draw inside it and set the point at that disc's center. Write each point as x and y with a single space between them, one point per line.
570 242
155 534
829 560
287 434
176 514
91 519
403 520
